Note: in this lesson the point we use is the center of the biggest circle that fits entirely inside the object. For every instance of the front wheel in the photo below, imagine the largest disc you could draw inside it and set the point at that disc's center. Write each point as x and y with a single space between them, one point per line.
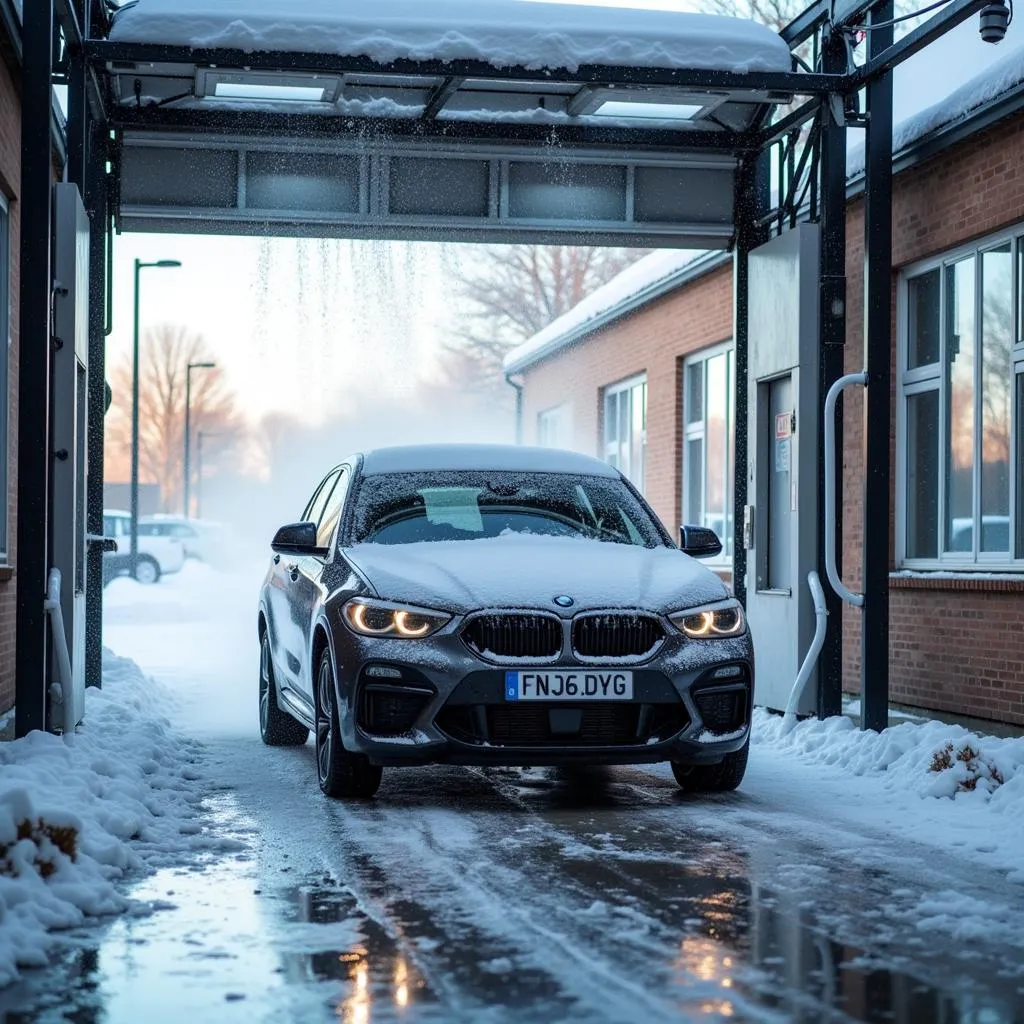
339 772
147 570
713 778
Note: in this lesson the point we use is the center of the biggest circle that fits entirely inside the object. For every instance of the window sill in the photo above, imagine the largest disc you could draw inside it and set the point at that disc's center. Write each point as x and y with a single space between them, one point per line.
943 579
6 573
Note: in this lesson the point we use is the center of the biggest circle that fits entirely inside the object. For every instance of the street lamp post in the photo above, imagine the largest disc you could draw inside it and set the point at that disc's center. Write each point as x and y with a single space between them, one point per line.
134 528
188 424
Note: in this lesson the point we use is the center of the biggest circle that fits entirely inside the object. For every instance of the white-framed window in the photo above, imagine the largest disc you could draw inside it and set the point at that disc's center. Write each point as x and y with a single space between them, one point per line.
960 418
553 427
709 430
625 428
5 357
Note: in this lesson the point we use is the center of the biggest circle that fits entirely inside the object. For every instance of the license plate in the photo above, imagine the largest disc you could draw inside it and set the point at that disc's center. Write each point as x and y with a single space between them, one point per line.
596 684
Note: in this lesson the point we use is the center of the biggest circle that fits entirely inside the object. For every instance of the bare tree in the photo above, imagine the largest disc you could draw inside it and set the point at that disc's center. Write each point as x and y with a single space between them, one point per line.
775 13
514 291
166 352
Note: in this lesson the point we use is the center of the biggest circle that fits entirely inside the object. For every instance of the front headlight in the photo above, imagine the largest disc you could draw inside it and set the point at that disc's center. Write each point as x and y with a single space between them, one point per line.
395 621
723 620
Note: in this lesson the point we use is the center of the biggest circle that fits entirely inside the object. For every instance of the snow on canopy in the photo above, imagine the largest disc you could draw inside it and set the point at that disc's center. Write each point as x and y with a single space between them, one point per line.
946 82
529 33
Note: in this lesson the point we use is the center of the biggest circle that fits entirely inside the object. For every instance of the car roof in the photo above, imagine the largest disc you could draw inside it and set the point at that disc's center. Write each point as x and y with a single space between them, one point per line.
498 457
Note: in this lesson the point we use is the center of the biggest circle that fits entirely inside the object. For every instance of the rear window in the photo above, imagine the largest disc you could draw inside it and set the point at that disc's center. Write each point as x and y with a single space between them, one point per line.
406 508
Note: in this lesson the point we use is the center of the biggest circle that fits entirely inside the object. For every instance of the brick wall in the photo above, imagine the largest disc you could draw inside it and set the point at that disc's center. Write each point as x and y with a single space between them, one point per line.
956 645
654 341
10 183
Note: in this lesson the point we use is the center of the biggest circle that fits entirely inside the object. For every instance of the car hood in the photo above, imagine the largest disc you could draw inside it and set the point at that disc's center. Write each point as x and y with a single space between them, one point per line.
517 571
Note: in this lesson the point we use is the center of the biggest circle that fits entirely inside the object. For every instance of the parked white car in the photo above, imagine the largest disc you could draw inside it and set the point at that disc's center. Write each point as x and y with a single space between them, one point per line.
204 540
157 555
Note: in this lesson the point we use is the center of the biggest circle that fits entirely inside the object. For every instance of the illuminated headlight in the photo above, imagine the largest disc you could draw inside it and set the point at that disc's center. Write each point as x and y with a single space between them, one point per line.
395 621
723 620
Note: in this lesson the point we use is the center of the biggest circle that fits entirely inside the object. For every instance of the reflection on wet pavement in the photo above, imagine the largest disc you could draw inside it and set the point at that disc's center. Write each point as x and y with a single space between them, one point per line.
522 896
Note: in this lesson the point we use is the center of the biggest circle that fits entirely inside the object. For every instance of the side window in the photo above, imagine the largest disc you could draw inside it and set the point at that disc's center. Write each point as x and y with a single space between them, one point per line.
316 504
332 513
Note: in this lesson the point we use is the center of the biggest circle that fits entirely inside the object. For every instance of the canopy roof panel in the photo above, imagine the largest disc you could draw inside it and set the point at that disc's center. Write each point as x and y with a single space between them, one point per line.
504 33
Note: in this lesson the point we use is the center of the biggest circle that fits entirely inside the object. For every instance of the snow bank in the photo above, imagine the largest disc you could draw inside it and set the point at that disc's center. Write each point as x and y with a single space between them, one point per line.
955 777
501 32
122 797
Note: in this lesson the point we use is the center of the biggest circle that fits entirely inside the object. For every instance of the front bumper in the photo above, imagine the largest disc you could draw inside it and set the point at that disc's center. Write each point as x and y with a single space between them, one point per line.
433 701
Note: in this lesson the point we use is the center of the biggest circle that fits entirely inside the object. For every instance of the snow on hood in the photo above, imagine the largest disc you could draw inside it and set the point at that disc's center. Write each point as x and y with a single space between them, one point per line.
502 32
517 571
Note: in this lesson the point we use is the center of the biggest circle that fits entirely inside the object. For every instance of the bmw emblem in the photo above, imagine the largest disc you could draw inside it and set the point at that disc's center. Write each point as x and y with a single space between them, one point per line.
563 601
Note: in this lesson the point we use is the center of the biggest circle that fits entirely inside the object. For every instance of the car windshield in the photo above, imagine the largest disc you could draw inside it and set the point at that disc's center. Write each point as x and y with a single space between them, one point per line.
404 508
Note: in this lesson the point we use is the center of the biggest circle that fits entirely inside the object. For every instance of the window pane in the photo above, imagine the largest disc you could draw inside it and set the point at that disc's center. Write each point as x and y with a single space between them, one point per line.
611 420
715 434
1020 466
996 343
638 400
694 400
923 475
694 513
730 435
960 358
923 328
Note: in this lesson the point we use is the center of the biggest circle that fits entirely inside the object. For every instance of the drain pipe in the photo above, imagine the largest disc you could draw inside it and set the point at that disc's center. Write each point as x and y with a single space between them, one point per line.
518 385
60 645
831 569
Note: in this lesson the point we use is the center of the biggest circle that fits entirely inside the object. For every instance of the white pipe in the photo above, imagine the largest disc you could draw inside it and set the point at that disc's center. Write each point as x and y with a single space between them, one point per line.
857 600
60 644
821 618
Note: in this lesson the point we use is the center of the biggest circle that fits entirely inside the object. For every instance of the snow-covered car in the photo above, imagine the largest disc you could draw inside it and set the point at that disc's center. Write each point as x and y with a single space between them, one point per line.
203 540
157 556
496 605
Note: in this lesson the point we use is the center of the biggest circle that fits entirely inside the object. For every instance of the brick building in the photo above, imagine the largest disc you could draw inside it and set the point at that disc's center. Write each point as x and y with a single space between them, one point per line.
641 374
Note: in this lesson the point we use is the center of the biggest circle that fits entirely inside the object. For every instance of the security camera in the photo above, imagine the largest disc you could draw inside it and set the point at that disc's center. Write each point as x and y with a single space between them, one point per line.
994 19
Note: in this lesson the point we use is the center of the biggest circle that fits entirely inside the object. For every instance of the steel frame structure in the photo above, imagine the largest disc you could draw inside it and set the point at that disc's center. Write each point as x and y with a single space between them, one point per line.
803 150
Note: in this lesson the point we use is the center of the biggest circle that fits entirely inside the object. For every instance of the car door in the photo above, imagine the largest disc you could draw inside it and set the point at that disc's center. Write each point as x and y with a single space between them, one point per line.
283 611
308 586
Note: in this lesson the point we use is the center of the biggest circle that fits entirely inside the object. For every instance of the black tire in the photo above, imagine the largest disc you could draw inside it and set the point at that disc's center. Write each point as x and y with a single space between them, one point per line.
340 773
277 727
713 778
147 570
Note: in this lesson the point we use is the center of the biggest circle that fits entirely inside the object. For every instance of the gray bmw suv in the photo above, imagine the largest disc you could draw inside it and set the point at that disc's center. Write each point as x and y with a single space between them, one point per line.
484 604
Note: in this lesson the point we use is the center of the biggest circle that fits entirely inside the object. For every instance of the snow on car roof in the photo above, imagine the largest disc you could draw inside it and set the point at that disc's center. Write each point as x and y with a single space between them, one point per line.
498 457
529 33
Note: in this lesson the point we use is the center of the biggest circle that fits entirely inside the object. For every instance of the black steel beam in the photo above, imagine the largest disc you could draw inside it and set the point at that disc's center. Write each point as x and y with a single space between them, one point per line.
96 207
35 348
440 96
752 200
878 363
794 119
11 26
806 23
883 57
69 21
832 329
313 126
104 51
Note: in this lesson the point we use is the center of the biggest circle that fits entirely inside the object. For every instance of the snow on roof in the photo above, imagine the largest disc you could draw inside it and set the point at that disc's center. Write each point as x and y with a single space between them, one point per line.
947 80
530 33
647 279
497 457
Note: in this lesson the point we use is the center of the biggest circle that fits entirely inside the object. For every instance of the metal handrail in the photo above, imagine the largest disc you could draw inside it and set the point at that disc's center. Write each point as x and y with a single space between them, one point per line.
831 570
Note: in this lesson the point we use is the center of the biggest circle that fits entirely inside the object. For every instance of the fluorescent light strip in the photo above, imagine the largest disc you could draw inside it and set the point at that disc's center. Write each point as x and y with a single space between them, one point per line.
648 111
254 91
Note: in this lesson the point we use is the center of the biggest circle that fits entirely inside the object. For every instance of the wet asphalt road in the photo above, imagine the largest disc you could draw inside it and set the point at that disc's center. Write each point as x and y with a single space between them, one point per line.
512 895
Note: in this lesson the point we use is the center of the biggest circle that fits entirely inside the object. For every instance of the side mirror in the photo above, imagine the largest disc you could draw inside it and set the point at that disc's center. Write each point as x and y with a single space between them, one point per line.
295 539
699 542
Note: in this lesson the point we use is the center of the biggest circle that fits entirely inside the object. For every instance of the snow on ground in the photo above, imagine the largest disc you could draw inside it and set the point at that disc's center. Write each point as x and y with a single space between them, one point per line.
122 798
501 32
938 784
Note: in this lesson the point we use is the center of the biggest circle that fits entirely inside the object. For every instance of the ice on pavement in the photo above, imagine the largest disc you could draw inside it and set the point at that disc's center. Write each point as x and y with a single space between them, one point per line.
501 32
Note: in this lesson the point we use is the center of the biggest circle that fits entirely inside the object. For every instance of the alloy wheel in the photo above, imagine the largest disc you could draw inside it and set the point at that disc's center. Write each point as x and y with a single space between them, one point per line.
264 683
324 721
